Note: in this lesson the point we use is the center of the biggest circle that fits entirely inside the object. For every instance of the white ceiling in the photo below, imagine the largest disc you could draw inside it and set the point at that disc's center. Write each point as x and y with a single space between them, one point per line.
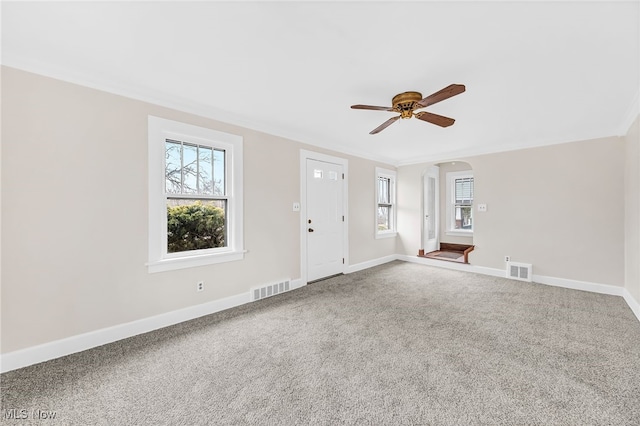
536 73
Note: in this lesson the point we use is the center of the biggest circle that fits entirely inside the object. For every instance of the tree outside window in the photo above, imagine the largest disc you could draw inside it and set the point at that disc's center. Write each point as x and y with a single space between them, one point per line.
195 191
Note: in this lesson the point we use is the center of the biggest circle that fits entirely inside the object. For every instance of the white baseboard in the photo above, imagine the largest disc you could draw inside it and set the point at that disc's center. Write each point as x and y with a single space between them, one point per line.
429 262
633 303
297 283
40 353
502 273
370 263
451 265
56 349
592 288
579 285
537 279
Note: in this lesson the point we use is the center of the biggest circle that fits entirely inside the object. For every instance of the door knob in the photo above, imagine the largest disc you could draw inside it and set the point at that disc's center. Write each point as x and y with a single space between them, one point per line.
310 229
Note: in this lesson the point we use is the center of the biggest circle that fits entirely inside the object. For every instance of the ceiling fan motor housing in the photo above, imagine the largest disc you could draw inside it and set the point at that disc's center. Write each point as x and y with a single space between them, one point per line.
405 102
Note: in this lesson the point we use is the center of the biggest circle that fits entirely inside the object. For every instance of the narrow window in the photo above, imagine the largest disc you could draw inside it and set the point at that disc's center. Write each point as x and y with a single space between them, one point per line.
460 203
385 203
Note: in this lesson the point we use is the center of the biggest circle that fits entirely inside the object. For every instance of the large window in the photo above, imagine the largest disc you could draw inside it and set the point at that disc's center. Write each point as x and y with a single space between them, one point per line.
460 203
195 196
385 203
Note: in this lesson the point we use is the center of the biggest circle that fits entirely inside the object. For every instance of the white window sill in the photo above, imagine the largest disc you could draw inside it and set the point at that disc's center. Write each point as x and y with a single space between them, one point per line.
460 233
193 261
390 234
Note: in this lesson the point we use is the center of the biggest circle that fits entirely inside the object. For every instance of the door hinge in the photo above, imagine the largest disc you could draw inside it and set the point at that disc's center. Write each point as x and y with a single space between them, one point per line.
343 260
343 176
343 218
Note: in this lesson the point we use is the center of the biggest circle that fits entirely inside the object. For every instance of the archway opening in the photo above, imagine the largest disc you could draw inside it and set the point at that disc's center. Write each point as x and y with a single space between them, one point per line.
448 211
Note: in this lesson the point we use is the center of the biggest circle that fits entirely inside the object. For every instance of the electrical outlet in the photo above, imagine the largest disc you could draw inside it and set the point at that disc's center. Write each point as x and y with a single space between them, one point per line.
200 286
507 258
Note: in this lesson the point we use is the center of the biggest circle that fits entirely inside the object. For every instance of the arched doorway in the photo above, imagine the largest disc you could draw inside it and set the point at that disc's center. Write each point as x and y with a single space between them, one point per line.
447 228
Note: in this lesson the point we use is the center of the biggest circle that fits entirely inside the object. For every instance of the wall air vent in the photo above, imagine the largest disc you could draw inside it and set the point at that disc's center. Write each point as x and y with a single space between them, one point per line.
519 271
269 290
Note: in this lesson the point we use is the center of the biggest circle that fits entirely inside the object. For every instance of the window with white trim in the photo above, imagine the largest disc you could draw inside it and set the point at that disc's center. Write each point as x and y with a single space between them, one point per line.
195 196
460 203
385 203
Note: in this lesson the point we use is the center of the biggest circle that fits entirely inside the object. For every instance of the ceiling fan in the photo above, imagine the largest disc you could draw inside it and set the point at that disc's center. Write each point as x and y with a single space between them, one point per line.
406 103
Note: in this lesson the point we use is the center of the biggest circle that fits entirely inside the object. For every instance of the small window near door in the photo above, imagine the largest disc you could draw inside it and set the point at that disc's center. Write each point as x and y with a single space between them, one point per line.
385 203
460 203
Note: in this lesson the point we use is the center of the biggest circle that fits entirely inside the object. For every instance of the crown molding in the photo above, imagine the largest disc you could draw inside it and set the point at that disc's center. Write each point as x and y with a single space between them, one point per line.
473 152
184 105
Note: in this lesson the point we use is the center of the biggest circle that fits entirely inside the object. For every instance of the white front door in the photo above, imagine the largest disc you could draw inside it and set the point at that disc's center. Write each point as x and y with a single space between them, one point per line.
431 208
325 219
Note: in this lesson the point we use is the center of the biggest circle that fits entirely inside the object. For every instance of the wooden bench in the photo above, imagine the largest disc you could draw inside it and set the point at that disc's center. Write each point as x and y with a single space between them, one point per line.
450 252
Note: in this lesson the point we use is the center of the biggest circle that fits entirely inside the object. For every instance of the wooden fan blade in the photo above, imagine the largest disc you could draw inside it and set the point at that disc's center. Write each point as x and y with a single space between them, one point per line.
446 93
384 125
436 119
377 108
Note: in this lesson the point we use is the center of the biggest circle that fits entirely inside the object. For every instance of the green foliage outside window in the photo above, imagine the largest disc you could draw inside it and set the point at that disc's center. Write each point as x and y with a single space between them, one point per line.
195 226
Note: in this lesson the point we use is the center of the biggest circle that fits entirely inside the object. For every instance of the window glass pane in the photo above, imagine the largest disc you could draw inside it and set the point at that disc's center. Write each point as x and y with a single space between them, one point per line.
189 169
195 224
219 172
431 204
463 219
205 170
464 191
383 190
383 218
173 166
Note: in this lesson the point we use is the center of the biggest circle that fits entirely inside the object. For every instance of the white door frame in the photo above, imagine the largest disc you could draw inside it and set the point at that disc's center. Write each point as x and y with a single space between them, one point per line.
311 155
423 238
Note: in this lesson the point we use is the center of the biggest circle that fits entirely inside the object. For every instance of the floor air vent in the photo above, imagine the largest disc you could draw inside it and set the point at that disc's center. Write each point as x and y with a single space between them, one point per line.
519 271
269 290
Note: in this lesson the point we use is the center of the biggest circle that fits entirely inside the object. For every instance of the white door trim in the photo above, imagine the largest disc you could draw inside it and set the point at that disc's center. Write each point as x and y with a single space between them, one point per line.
311 155
434 171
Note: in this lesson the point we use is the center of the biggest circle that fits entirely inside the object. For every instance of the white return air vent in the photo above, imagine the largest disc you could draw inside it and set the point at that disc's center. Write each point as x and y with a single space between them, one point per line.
519 271
269 290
